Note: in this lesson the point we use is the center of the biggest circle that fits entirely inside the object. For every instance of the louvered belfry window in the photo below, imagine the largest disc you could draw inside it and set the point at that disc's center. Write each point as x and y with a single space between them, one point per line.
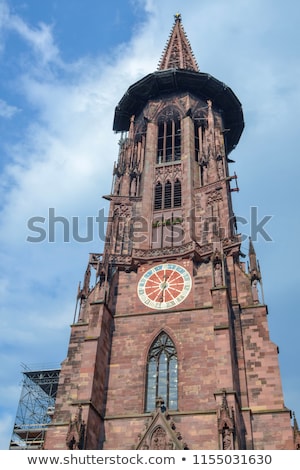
167 196
177 194
158 196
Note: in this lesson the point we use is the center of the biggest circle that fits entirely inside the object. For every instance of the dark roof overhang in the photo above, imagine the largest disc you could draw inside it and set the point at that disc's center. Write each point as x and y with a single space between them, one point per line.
202 85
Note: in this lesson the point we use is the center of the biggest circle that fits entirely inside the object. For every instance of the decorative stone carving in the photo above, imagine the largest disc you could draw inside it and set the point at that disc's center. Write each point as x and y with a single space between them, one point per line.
168 172
160 252
159 439
218 269
226 439
189 249
122 210
218 274
220 167
226 426
120 260
160 433
254 289
169 112
214 197
76 431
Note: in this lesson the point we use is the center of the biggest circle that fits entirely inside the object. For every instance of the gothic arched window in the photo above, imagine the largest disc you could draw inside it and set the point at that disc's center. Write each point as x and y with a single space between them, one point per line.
158 196
177 194
162 380
169 138
168 195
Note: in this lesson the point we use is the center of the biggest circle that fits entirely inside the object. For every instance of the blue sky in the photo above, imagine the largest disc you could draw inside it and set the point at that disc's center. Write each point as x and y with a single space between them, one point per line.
64 67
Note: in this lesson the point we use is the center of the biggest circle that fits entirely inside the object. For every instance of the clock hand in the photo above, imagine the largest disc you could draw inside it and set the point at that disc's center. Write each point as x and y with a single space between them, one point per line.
164 285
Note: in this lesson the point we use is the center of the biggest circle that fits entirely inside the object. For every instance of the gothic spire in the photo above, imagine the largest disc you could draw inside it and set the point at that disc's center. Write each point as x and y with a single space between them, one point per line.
178 53
254 268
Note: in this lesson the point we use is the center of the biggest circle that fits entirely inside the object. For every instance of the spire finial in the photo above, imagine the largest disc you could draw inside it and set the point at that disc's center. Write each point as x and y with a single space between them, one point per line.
177 17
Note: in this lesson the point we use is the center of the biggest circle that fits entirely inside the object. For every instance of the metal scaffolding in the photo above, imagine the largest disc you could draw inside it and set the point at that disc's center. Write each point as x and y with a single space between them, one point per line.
36 406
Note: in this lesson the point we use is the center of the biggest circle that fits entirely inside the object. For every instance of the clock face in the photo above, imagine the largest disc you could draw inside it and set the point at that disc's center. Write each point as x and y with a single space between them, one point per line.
164 286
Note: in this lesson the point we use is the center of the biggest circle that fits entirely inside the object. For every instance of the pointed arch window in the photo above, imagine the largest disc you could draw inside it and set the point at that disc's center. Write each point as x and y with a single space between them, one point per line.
169 139
162 376
158 196
168 195
177 194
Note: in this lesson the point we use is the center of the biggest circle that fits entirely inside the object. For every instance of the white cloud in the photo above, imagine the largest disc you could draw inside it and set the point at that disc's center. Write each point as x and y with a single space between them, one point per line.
40 39
6 110
6 426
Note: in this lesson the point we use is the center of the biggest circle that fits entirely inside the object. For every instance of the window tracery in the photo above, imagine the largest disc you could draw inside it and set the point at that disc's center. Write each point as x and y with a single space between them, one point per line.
169 136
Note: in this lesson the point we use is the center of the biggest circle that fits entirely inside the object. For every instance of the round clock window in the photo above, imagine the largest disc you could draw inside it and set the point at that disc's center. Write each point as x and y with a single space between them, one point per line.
164 286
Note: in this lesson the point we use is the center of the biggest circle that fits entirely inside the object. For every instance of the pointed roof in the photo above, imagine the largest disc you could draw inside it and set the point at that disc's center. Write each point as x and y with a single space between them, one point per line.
251 247
254 265
178 53
161 433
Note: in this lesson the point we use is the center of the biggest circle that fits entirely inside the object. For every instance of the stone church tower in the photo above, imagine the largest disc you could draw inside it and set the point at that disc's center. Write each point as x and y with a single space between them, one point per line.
170 348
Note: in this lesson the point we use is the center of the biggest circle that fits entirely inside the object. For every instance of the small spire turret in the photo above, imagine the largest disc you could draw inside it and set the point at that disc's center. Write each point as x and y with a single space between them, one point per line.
254 270
255 275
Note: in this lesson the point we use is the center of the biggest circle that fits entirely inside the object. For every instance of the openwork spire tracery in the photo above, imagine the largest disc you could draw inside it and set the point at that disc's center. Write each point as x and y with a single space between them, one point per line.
178 53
